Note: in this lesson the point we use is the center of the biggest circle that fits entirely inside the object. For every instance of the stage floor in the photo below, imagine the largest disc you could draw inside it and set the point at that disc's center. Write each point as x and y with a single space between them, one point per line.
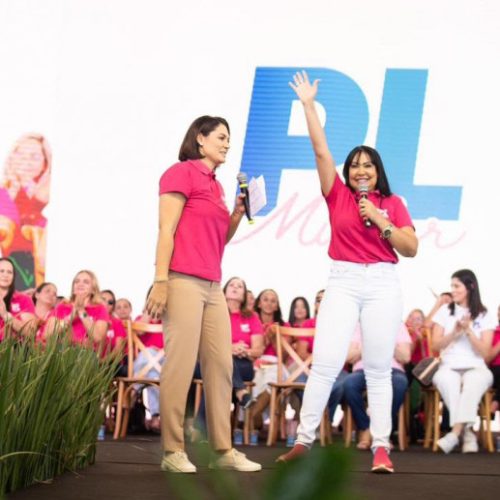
130 470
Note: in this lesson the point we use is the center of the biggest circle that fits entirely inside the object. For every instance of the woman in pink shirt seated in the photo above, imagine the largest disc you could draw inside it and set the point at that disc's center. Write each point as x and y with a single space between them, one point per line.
44 298
116 336
368 225
494 360
247 338
16 309
267 307
153 342
123 309
84 312
299 312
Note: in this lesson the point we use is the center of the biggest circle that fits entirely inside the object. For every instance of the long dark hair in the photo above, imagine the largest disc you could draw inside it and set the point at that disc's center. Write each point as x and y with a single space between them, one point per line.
190 149
469 280
244 311
291 317
277 315
10 292
382 181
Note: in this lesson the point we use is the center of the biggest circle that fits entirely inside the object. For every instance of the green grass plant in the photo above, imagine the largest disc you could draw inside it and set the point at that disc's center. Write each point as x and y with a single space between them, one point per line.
52 400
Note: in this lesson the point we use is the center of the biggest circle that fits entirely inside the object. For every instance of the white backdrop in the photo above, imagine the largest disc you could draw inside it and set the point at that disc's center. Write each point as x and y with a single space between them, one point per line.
114 84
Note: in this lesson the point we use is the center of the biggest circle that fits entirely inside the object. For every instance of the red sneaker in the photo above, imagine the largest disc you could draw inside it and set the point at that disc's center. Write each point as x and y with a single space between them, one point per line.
381 461
297 451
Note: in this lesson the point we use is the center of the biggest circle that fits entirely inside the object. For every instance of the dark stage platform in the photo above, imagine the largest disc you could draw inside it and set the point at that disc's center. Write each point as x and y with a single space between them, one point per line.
130 470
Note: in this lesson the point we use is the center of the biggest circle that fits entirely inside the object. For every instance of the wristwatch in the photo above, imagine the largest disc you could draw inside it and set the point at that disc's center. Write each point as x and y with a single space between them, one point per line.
386 232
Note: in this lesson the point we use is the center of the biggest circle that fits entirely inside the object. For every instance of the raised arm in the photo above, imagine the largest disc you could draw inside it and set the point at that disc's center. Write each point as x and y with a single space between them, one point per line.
325 163
171 206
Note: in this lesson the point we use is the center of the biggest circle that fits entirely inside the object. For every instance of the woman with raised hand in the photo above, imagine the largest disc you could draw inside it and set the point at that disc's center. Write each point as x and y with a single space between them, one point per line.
368 225
195 226
462 333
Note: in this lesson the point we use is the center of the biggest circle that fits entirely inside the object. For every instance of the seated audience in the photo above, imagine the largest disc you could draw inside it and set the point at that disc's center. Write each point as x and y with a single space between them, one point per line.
83 312
268 308
123 310
355 383
44 298
299 312
153 343
17 311
304 347
116 336
462 333
494 359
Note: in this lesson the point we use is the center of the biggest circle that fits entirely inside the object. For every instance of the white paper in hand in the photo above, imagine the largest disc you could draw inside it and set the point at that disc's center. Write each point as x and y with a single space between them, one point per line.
257 193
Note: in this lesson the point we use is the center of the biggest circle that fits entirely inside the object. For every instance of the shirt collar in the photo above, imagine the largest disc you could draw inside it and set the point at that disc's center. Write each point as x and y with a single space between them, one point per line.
201 167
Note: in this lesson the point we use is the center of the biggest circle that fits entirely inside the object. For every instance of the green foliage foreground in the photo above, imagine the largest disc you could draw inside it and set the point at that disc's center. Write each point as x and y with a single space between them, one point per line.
52 399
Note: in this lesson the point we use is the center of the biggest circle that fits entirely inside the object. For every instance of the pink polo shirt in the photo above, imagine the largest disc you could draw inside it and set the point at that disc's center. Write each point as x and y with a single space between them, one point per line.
116 331
351 240
202 230
64 310
20 303
403 337
495 341
270 349
154 340
242 328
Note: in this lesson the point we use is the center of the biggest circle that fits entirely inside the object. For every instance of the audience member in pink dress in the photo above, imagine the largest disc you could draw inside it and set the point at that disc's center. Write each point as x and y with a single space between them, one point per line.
84 313
16 309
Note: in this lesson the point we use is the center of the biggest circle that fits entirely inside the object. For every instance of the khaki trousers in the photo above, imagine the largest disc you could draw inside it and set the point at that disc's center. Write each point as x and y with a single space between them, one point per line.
196 323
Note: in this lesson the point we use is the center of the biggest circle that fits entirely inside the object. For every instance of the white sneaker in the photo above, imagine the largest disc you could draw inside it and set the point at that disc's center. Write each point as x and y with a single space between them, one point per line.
448 442
469 444
177 461
234 460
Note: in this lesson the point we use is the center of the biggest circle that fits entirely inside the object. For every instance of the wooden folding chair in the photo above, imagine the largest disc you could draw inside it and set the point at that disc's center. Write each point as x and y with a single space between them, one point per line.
287 382
126 385
433 410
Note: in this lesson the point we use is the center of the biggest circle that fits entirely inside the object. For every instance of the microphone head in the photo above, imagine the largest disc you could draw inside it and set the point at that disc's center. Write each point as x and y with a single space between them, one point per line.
363 186
242 178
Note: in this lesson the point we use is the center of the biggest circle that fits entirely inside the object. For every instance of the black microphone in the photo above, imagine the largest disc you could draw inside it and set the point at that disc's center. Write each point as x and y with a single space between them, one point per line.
242 181
363 192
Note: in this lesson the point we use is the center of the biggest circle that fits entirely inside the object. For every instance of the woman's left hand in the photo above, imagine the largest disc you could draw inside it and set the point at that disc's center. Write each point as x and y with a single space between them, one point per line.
367 209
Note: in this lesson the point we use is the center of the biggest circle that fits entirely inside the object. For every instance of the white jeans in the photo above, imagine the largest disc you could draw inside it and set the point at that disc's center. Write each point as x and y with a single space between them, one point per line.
462 391
371 295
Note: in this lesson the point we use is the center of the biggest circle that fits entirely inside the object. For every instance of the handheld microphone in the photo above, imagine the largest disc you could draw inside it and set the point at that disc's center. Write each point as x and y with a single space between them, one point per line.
243 183
363 192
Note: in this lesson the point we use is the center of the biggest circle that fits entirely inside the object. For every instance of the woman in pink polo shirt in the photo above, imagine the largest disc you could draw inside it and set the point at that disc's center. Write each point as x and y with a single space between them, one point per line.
16 308
195 226
363 286
84 312
494 362
247 338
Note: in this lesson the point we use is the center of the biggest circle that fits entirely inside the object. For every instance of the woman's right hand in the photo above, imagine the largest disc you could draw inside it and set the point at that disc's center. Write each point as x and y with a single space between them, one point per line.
157 300
305 91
